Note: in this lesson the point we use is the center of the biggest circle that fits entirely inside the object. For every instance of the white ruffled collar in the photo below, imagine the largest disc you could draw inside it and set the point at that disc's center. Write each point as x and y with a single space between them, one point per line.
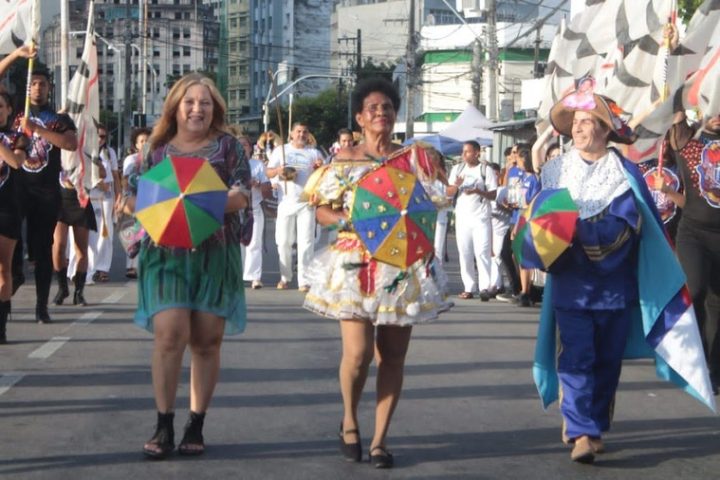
593 186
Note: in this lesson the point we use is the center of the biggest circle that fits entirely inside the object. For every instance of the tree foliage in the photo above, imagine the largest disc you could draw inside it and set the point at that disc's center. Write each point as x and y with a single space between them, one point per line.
323 114
371 69
686 9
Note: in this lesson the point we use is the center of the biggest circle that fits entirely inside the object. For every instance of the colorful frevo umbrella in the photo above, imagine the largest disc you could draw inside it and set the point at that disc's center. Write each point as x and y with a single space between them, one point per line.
393 216
181 201
545 229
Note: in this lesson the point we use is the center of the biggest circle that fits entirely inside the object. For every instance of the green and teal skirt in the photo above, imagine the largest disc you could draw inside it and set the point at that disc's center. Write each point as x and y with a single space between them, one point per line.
207 280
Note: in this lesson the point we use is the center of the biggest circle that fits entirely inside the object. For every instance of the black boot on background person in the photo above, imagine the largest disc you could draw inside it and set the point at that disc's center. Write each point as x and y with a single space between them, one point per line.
78 298
4 314
63 290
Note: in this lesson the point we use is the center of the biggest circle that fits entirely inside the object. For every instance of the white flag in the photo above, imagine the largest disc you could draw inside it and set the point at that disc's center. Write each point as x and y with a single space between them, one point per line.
20 23
81 166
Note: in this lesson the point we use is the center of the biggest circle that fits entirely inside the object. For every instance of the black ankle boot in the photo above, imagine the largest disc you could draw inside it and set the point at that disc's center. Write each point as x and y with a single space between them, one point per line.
78 298
63 290
192 442
41 314
163 442
4 313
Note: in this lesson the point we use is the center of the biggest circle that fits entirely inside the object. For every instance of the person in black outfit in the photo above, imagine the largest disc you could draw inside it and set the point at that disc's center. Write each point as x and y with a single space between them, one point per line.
12 154
698 235
39 186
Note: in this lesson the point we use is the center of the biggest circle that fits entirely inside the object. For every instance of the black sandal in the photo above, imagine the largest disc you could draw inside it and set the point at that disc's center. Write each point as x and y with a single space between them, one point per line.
163 442
193 437
351 451
384 460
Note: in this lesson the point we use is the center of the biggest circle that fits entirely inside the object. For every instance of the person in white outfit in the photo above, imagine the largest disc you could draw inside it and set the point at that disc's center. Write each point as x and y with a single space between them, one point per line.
500 225
475 184
103 197
289 168
131 164
252 254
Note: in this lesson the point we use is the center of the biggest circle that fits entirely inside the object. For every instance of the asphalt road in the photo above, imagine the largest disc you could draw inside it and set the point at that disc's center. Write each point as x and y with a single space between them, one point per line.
76 400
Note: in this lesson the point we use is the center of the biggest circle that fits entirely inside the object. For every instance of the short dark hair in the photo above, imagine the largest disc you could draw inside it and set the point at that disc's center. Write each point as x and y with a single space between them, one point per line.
344 131
508 151
43 71
137 132
370 85
475 145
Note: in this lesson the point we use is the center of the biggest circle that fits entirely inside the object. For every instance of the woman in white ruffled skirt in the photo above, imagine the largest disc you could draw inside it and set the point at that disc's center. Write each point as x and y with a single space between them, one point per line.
377 303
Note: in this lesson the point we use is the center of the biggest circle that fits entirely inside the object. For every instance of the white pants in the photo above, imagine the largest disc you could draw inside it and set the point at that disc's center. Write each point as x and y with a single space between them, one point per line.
297 227
473 241
440 236
100 243
252 254
499 229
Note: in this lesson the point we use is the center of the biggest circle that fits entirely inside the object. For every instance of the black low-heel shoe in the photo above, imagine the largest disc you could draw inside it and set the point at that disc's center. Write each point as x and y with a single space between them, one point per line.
192 442
163 442
351 451
382 460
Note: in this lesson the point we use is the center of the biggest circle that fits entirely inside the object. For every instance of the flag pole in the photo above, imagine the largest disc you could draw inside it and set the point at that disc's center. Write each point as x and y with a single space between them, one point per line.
280 125
665 88
35 23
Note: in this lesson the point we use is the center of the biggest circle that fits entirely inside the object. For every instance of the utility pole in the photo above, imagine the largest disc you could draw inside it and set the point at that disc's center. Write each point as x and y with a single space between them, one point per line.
493 60
357 41
127 108
64 35
143 58
477 74
358 59
410 75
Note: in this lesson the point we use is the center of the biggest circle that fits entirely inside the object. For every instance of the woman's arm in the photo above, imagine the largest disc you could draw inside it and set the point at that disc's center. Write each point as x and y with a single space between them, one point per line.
14 158
325 216
538 149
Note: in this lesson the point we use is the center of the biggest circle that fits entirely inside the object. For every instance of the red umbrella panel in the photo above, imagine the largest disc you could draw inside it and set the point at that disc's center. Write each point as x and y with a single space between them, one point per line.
181 201
393 216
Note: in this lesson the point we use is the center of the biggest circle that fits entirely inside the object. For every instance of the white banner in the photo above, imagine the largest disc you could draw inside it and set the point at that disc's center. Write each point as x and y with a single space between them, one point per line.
81 166
19 24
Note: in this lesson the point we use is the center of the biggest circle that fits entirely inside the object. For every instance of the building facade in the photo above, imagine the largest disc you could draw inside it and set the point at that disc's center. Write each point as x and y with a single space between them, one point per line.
182 37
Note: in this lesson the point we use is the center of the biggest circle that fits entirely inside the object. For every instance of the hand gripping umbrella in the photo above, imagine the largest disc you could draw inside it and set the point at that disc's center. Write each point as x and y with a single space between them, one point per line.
181 201
393 216
545 229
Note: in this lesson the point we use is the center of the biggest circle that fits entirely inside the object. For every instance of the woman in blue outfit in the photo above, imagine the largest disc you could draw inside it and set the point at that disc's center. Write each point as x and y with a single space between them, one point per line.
594 281
191 296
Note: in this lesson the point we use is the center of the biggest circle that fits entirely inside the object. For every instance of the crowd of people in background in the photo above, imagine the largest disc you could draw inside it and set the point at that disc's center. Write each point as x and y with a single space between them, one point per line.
481 200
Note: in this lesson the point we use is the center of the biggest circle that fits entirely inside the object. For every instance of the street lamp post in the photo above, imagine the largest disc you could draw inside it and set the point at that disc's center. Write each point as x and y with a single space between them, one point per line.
269 100
266 105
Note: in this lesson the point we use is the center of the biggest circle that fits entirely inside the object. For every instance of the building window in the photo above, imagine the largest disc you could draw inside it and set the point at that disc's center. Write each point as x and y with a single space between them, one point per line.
186 33
186 51
176 33
187 68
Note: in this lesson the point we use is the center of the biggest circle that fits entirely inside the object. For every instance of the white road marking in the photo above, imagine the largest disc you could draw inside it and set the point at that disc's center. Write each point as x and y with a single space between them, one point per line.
87 317
7 380
50 347
114 297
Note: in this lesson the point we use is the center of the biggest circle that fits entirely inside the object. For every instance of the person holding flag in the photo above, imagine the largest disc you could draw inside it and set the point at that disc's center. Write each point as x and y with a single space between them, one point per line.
698 235
617 290
49 132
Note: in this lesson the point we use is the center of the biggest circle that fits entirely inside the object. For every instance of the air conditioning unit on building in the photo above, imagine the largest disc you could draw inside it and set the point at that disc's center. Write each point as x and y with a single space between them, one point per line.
472 8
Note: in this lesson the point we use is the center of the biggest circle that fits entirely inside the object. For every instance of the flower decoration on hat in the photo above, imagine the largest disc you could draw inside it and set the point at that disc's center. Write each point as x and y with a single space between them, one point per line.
601 107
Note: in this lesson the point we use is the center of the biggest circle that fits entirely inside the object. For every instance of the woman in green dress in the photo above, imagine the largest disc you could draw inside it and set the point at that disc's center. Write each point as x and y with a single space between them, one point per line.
192 296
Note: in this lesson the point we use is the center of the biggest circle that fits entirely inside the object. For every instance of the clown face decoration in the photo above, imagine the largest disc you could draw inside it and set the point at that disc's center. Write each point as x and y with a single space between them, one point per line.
709 172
